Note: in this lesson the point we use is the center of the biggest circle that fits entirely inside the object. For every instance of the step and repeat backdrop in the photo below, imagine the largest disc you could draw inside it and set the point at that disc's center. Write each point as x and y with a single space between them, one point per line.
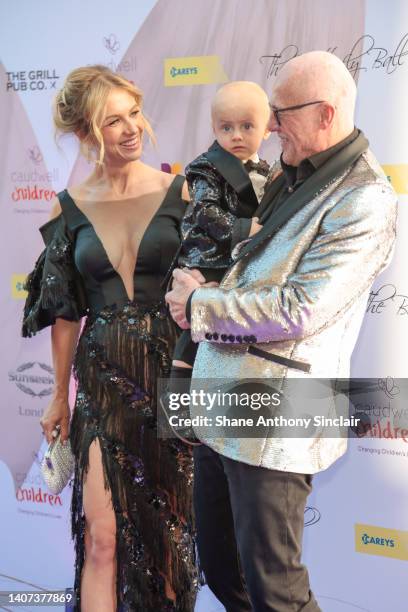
178 52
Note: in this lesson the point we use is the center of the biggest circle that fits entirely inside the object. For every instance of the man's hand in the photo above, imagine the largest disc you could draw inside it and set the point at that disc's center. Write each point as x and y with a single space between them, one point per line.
184 283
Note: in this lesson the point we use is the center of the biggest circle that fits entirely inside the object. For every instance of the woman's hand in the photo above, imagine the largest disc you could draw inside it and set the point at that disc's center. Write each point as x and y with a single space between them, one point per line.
56 413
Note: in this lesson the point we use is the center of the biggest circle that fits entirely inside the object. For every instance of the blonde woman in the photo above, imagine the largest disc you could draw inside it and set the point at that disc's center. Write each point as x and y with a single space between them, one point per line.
108 245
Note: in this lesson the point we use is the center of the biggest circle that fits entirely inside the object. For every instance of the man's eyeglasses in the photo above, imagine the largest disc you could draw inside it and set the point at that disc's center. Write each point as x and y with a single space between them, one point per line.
276 111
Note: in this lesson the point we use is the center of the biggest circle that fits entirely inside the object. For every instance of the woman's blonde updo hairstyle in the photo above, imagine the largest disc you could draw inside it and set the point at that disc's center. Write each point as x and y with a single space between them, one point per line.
79 106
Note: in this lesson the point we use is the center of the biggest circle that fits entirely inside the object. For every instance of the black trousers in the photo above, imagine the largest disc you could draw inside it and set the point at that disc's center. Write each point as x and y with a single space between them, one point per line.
250 527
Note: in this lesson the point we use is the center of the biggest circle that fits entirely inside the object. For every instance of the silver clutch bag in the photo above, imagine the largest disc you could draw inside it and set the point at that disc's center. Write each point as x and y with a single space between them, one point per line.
58 465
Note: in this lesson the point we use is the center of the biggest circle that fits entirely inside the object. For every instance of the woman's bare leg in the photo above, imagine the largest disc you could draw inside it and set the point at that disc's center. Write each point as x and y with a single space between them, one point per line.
98 583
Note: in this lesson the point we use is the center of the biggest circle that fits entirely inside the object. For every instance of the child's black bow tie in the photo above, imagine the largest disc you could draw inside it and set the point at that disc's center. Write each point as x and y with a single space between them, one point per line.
262 167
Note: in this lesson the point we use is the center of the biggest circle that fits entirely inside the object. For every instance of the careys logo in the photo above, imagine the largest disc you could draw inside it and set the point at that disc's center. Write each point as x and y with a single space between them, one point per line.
370 539
186 70
398 176
380 541
194 70
33 378
17 286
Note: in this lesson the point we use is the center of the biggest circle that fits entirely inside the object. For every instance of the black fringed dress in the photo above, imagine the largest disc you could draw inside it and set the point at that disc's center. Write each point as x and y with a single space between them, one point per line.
124 347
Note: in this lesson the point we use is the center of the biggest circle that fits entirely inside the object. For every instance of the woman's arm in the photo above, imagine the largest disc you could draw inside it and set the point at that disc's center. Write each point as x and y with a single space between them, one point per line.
64 337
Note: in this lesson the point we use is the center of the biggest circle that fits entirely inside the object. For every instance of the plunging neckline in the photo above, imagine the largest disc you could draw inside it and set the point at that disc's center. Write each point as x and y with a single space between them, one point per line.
102 246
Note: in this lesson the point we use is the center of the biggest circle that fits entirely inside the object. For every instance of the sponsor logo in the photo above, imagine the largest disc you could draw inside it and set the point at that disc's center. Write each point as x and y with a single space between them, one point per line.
387 430
398 176
179 71
128 65
33 184
197 70
381 541
312 516
35 175
389 386
37 496
32 80
172 168
111 43
33 378
35 155
33 193
32 490
369 539
381 409
17 286
30 412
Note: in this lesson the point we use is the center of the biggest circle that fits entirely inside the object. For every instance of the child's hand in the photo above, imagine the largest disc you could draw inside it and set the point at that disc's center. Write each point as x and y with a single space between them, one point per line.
255 227
195 274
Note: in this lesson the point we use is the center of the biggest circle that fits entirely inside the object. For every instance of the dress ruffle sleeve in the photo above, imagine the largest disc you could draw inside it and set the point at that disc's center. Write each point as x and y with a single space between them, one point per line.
55 288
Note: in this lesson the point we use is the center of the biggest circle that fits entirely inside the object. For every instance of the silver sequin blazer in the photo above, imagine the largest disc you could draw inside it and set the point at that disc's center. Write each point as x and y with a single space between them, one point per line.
299 299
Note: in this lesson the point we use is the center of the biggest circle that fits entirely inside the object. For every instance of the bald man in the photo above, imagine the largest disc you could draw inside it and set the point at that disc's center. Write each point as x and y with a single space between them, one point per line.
290 306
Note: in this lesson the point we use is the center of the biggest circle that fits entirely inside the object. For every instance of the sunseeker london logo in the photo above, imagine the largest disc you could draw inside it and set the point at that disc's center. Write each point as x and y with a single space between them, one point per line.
33 378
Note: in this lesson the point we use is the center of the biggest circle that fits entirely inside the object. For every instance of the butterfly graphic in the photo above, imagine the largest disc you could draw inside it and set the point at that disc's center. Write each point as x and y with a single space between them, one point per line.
111 43
390 388
35 155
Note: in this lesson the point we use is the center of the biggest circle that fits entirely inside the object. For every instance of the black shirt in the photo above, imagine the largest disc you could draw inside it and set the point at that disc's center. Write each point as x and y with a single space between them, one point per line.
296 175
